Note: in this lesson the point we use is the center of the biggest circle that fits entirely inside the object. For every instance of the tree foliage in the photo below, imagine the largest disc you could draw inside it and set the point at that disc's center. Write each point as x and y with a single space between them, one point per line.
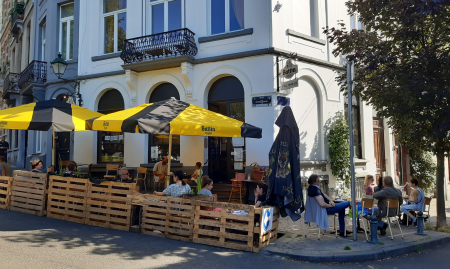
338 140
402 65
423 168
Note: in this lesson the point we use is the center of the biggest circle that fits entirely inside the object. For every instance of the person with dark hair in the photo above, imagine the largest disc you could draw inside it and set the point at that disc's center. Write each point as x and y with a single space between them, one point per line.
260 194
325 202
36 166
416 202
5 168
379 185
198 172
207 185
178 189
388 192
4 146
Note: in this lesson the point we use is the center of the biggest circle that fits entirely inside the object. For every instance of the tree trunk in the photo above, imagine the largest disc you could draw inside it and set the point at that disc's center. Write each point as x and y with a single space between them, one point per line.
440 185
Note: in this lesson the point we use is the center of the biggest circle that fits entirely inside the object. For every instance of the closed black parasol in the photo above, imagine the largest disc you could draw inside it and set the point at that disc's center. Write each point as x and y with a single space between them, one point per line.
285 189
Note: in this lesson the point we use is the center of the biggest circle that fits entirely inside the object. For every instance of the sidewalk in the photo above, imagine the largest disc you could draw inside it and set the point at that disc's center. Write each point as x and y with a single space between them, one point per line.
300 242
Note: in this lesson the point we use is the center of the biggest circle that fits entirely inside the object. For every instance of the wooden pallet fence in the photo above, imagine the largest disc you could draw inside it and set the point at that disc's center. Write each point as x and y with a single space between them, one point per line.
5 192
269 236
224 229
67 198
164 216
107 205
29 192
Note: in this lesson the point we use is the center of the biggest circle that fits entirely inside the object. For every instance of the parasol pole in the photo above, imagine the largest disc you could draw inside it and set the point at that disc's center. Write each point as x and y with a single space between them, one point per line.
53 147
170 160
350 80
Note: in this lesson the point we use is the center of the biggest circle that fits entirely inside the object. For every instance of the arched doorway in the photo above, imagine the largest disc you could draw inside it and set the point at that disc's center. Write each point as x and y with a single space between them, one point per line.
110 145
226 96
161 142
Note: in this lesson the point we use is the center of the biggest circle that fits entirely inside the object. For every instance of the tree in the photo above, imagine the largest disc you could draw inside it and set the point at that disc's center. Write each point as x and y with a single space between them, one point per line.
402 64
338 139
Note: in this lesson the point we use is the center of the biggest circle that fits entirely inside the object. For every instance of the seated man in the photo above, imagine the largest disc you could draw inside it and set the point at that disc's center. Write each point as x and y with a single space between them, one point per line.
70 170
388 192
416 201
123 176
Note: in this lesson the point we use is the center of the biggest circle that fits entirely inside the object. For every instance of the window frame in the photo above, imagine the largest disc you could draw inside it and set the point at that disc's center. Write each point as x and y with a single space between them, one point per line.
148 21
227 19
67 21
38 141
116 27
43 40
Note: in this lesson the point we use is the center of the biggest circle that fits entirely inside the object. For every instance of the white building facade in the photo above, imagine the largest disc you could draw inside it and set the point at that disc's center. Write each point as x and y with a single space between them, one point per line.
231 59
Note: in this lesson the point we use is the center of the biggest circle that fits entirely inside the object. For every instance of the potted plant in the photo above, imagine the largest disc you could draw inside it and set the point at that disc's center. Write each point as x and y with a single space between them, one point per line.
258 173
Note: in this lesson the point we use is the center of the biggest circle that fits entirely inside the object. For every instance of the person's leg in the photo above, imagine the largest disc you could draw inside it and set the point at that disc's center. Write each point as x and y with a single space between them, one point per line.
405 209
340 209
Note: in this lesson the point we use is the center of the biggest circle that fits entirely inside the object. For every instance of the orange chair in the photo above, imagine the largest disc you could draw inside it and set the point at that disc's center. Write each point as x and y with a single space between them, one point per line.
237 184
143 171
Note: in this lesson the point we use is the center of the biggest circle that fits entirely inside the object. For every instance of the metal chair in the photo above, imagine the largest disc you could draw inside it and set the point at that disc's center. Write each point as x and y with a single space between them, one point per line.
143 170
426 202
366 203
393 204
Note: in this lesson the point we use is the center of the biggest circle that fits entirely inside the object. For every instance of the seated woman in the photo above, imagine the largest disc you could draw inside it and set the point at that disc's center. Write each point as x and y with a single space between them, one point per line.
207 185
324 201
178 189
36 166
260 194
70 170
368 181
379 186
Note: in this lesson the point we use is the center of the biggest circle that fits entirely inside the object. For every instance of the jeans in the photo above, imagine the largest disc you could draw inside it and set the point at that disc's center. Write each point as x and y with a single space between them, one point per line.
339 208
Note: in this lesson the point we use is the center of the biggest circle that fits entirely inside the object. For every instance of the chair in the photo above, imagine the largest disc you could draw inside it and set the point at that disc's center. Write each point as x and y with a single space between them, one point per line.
393 204
111 167
426 202
143 170
366 203
236 186
317 214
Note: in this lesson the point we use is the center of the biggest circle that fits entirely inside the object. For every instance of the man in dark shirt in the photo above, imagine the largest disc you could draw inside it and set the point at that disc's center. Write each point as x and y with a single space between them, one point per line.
388 192
4 146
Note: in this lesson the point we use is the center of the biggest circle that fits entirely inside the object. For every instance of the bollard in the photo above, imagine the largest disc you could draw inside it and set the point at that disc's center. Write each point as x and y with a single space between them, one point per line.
373 230
420 223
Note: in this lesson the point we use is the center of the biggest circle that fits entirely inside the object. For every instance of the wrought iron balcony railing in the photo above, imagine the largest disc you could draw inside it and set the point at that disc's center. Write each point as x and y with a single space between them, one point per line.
172 43
36 71
10 83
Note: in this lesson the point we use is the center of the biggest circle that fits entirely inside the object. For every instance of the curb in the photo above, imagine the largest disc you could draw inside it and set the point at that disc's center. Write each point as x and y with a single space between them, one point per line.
363 257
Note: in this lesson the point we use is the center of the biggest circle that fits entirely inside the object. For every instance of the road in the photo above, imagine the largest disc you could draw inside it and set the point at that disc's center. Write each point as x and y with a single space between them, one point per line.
38 242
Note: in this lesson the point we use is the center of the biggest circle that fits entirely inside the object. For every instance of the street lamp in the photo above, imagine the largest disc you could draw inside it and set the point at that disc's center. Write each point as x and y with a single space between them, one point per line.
59 66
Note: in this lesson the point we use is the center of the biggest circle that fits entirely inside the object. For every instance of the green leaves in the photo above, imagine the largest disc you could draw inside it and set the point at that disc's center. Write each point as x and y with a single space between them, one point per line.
338 140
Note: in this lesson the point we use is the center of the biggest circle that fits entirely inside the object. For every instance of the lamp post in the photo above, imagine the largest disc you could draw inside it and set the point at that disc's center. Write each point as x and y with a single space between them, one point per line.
59 66
350 81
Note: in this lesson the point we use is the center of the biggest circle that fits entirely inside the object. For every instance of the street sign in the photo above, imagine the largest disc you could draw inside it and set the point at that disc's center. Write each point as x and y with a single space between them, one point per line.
260 101
289 84
289 70
283 101
267 220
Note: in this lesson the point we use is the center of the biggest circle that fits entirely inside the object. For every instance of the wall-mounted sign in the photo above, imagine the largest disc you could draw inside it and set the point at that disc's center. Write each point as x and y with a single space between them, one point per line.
154 152
283 101
260 101
289 84
289 70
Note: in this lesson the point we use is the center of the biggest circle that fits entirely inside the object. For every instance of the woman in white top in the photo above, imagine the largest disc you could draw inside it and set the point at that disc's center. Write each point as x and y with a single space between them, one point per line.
178 189
198 172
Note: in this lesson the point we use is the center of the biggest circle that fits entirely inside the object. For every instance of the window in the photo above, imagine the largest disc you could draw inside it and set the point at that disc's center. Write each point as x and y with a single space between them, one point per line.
115 25
314 17
165 15
110 144
43 33
357 149
66 31
160 143
354 21
226 16
38 141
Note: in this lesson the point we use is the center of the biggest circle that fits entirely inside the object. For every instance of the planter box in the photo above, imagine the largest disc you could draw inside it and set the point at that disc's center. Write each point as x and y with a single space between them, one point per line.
29 192
106 205
5 192
67 198
258 175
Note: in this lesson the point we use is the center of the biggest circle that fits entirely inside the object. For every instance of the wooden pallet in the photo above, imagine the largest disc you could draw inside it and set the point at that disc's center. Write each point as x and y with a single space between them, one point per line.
67 198
5 192
29 192
227 230
107 206
164 216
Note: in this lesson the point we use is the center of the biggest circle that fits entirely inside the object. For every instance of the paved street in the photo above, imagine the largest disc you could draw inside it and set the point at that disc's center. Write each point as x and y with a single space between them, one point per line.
37 242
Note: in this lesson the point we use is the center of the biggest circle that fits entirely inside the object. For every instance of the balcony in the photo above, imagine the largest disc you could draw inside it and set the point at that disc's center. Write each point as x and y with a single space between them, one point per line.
159 51
10 85
16 17
36 72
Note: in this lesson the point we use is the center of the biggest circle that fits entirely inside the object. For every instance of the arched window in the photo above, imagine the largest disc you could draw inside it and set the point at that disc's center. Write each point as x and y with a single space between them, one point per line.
159 144
110 144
